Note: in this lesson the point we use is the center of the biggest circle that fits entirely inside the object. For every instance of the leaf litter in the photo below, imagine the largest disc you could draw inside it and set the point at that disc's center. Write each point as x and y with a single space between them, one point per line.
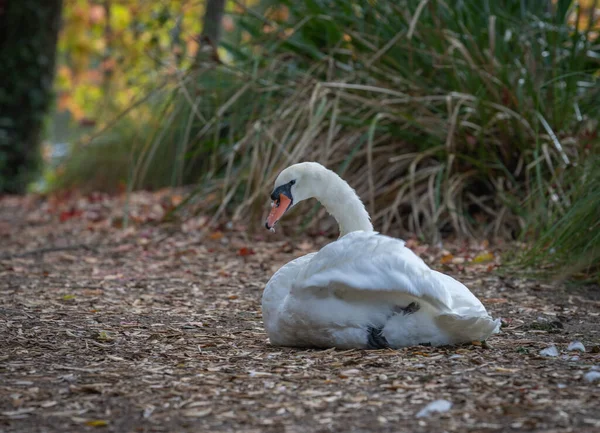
155 326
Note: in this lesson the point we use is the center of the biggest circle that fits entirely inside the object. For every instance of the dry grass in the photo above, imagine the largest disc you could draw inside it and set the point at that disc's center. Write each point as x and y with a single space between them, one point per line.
445 117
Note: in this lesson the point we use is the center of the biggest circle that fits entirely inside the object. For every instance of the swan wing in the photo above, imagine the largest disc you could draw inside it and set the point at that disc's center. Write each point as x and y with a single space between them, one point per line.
368 262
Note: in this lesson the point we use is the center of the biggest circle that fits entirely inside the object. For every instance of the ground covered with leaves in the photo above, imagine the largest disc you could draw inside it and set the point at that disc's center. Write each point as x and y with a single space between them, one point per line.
131 324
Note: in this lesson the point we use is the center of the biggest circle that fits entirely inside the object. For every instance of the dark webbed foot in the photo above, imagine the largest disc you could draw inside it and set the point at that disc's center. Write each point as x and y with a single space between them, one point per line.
375 340
411 308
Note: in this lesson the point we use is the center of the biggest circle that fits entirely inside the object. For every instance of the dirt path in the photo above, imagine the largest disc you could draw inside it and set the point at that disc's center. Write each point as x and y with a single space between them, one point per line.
158 329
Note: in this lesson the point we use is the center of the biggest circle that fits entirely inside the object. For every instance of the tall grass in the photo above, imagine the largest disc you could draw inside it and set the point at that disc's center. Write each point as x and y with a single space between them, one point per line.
568 244
446 116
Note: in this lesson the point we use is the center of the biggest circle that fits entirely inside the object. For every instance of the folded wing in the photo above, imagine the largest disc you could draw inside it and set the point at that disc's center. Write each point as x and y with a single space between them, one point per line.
366 266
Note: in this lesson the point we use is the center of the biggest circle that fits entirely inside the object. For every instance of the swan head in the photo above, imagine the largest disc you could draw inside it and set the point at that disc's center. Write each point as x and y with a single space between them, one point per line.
294 184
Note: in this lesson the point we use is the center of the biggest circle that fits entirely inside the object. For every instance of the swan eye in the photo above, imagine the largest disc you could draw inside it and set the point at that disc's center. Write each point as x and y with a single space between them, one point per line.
285 189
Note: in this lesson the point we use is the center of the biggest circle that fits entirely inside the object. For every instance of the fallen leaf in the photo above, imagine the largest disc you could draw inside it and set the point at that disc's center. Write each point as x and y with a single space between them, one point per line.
97 423
446 259
496 300
103 336
483 257
245 252
67 215
506 370
259 374
215 236
194 413
176 200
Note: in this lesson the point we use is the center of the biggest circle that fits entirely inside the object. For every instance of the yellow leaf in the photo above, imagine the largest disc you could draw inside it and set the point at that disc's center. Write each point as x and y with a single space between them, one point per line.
483 257
97 423
68 297
103 335
120 17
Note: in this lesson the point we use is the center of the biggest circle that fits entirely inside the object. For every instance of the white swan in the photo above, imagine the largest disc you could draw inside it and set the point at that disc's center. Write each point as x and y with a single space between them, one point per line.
364 290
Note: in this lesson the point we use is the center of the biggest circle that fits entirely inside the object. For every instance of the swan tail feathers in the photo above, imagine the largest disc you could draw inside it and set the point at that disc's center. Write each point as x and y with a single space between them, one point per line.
464 328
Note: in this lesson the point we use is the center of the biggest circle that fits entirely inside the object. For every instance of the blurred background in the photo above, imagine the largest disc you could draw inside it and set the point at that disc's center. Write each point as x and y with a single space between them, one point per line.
471 119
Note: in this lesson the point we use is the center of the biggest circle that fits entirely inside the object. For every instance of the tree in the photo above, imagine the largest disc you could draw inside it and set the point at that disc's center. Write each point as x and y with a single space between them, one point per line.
213 16
211 31
28 37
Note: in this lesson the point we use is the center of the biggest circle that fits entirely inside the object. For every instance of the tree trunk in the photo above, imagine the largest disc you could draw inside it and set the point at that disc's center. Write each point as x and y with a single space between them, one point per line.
28 35
213 16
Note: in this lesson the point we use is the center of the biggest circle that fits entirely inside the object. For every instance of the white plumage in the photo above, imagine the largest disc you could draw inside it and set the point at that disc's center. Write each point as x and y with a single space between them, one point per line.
365 290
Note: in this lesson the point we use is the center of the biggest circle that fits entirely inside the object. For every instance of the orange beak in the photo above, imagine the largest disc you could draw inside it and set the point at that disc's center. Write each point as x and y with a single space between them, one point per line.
277 211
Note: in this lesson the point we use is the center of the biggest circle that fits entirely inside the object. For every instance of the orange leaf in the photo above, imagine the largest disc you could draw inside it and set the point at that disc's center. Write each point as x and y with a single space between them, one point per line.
245 251
447 258
496 300
176 200
215 236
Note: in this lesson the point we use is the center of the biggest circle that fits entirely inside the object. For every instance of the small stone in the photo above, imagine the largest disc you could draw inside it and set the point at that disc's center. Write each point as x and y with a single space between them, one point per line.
551 351
576 345
437 406
591 376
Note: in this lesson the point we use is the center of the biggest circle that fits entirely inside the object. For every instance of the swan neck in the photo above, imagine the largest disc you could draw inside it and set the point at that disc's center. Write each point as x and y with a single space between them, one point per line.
342 202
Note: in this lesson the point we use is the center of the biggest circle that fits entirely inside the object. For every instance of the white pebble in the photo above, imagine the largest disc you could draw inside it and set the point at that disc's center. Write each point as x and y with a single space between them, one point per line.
576 345
549 351
437 406
591 376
